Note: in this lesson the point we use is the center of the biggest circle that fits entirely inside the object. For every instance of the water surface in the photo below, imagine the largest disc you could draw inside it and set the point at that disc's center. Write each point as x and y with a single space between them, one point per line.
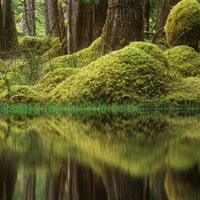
147 156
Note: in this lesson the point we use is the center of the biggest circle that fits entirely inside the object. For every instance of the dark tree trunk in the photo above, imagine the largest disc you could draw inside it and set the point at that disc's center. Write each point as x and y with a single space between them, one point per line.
124 23
47 26
30 13
53 17
147 6
85 23
62 28
163 9
8 32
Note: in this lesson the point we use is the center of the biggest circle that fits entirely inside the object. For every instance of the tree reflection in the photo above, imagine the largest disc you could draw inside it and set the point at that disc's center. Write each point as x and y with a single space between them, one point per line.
183 185
8 174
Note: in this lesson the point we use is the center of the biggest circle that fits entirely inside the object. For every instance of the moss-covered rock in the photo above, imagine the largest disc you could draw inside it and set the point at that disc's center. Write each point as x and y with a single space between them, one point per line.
36 45
129 74
55 51
30 69
51 79
21 94
152 50
187 89
2 66
78 59
183 23
184 60
13 78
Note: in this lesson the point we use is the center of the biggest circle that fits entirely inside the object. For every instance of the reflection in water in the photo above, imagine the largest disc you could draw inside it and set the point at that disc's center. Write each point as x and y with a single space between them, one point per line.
142 157
183 185
8 175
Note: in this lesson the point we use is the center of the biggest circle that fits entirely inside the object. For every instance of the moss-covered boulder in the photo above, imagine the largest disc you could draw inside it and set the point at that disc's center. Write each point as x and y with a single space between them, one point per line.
21 94
129 74
78 59
30 69
187 89
183 23
11 78
55 51
184 60
2 66
51 79
36 45
152 50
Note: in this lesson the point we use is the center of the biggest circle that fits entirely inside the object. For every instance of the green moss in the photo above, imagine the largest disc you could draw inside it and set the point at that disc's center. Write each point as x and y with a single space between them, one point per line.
18 65
129 74
184 60
78 59
30 69
183 23
36 45
55 51
13 79
51 79
21 94
152 50
2 66
187 89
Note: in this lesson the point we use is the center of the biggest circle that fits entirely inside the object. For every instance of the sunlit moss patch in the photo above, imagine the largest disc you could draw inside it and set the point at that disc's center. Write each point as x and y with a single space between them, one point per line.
183 23
152 50
129 74
184 60
51 79
20 94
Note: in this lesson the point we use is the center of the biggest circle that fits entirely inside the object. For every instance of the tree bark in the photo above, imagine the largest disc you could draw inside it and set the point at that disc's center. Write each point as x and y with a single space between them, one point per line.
62 28
147 6
47 25
53 17
124 23
29 7
85 23
163 9
8 32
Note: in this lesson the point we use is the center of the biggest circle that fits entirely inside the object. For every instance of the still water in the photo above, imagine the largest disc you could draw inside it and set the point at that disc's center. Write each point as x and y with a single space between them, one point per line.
100 157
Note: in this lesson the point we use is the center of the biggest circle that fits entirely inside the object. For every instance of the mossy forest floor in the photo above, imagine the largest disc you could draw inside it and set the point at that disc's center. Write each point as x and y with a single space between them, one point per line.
141 74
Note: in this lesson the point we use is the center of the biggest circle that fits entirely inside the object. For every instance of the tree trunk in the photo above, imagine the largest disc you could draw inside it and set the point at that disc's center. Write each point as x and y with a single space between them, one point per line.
85 23
31 17
147 6
29 7
124 23
8 32
53 17
62 28
47 26
163 9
